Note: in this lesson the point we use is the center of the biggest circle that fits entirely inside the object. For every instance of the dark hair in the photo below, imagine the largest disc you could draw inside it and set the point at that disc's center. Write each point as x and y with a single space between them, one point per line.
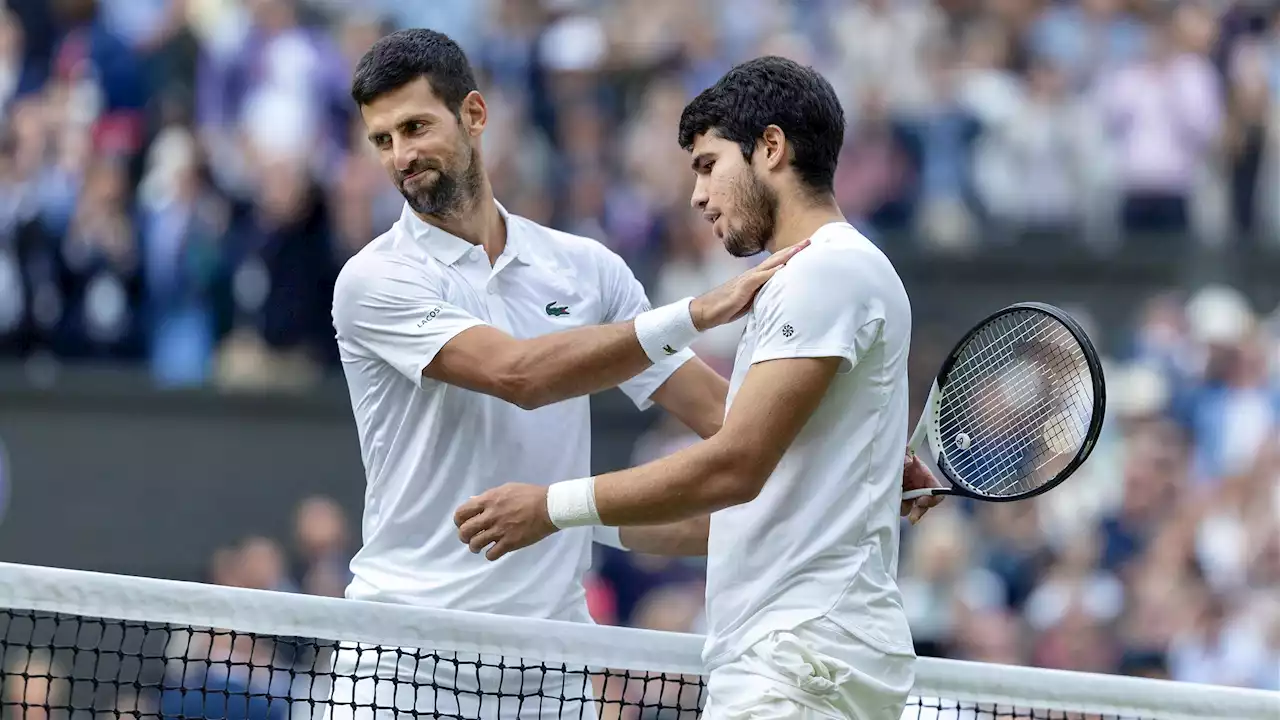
404 56
773 91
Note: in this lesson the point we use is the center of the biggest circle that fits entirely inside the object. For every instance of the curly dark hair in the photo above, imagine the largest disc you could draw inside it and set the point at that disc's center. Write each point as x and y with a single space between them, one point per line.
768 91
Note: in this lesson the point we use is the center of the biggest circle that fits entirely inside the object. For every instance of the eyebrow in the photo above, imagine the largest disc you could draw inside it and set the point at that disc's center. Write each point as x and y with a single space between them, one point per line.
424 119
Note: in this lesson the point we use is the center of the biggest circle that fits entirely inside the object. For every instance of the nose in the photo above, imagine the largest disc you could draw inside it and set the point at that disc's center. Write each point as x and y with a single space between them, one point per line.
698 201
405 155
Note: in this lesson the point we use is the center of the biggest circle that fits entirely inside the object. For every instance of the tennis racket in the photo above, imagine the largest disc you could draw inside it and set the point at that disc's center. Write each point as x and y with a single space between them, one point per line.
1016 408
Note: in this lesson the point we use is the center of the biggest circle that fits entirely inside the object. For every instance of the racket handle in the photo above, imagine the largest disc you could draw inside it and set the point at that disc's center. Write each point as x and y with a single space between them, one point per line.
923 492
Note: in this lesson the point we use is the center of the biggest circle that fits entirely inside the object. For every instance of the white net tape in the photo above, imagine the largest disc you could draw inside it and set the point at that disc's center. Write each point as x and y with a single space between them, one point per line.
93 657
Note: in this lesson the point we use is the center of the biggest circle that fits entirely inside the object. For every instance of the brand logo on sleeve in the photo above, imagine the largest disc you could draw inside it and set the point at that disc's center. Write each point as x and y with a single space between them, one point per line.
668 350
430 316
788 331
555 311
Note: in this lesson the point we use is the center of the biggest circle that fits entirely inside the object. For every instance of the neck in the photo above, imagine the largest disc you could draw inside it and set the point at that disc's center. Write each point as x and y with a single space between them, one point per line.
479 223
798 220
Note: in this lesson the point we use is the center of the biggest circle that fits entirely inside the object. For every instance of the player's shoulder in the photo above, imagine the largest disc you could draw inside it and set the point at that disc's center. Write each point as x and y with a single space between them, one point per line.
842 242
837 254
841 271
386 257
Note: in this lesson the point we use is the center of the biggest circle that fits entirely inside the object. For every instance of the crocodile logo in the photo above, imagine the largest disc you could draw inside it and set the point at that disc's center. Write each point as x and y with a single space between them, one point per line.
554 311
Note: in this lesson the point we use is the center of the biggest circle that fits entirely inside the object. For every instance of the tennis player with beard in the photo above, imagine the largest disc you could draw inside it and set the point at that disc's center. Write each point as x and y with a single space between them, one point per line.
470 338
804 613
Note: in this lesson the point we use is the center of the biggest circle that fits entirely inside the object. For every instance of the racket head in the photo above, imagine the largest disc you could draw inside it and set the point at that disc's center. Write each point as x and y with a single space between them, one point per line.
1023 347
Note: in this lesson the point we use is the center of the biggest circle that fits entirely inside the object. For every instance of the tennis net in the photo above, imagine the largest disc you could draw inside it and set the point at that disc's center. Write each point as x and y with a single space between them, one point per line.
90 646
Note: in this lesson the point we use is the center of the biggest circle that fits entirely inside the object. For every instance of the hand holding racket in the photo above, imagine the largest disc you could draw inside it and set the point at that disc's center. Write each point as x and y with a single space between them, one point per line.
917 476
1016 408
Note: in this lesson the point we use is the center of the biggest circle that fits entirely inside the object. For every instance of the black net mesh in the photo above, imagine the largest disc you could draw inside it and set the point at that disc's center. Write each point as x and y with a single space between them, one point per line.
66 667
62 667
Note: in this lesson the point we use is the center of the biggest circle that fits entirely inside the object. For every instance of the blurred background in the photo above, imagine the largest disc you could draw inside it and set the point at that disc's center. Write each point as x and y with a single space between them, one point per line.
180 181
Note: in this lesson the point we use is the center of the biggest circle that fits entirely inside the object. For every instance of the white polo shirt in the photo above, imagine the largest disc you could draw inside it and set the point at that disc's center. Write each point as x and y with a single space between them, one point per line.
428 446
821 540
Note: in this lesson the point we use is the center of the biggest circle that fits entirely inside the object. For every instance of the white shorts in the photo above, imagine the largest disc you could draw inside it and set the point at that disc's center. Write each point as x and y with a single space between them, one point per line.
382 684
817 670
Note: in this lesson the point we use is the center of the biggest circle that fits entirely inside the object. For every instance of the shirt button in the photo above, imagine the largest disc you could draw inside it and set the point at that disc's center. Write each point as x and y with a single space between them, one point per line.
493 290
475 253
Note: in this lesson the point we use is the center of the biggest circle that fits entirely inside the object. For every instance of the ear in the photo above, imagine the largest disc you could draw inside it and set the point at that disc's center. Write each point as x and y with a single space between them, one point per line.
774 144
473 115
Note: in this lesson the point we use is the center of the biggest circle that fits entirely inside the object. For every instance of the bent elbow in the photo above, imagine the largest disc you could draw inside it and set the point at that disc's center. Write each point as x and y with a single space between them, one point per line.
514 382
712 424
740 491
531 399
742 478
518 390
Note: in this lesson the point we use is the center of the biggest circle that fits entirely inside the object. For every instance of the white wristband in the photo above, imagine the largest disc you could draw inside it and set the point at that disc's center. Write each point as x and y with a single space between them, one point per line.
572 503
667 330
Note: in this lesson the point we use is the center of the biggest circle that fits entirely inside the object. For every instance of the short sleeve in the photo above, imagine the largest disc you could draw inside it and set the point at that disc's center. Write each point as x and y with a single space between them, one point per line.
394 311
624 298
817 306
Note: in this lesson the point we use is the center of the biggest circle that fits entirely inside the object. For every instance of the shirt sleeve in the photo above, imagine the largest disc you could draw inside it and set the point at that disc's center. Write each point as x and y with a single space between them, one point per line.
818 307
624 298
395 312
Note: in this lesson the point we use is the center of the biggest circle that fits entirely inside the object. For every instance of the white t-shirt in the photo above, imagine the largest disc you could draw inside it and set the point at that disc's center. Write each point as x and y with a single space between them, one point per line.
821 540
428 446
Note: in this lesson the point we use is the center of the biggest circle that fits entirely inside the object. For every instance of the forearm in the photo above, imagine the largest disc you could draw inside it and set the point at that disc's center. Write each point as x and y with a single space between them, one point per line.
587 360
695 394
685 538
693 482
577 362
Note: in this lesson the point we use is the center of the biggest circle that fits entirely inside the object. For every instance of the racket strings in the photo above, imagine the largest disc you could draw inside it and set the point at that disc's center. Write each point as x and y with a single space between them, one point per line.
1010 446
983 370
1021 391
1011 466
1013 450
1015 433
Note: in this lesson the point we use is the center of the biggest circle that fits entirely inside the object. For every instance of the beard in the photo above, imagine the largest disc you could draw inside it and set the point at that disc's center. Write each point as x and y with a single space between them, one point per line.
757 205
450 194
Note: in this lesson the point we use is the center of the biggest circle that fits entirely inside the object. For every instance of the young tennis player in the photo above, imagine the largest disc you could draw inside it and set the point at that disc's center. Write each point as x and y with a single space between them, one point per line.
804 480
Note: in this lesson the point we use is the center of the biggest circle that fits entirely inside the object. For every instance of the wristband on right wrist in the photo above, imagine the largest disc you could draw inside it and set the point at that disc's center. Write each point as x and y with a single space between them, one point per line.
667 330
572 503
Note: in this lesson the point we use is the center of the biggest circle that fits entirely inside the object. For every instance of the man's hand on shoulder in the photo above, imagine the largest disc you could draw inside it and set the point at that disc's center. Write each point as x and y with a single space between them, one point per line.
733 299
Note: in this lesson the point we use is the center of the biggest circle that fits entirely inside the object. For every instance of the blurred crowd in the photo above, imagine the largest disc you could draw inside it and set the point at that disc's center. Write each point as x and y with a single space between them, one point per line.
181 179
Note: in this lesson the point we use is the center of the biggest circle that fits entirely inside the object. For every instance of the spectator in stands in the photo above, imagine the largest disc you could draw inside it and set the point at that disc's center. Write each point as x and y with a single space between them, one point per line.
222 676
323 544
282 270
1088 39
261 564
184 226
95 62
101 270
1038 160
1251 130
11 65
877 181
1164 112
35 687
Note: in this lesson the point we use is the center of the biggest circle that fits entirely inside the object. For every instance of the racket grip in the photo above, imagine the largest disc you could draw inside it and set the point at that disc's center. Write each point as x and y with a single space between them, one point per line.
922 492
